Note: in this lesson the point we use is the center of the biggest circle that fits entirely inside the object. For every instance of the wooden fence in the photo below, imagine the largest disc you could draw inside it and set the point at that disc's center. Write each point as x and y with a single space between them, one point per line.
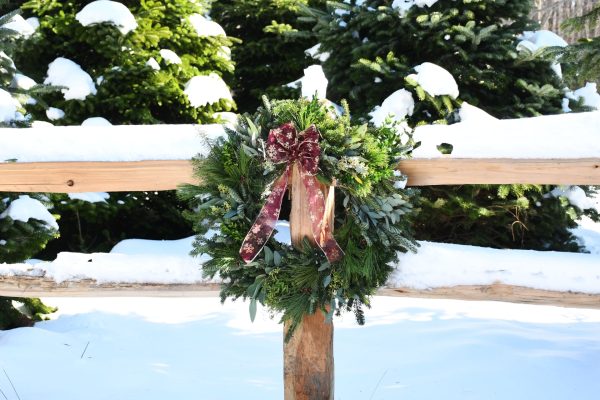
165 175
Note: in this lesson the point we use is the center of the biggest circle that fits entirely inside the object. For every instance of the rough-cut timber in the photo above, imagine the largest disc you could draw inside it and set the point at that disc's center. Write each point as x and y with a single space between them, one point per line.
500 292
69 177
462 171
37 286
308 356
308 360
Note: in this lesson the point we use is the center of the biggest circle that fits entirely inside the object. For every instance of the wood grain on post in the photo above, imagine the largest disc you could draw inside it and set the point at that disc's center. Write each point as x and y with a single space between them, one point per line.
308 365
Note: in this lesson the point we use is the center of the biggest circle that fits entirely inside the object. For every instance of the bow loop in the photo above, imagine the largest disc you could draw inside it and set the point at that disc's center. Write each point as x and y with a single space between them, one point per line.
286 145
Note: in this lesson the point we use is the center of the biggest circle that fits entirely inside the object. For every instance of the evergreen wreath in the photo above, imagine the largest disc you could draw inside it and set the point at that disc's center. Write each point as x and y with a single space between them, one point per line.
371 210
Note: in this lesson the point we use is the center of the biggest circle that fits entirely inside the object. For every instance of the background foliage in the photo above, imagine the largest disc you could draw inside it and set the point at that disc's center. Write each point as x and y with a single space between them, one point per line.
374 46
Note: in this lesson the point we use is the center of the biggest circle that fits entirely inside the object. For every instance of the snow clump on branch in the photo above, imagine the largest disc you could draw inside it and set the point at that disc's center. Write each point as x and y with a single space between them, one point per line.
64 72
112 12
398 105
25 208
205 27
206 89
435 80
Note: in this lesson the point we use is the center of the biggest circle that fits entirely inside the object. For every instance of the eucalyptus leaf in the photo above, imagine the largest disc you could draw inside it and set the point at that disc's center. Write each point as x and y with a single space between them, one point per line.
252 309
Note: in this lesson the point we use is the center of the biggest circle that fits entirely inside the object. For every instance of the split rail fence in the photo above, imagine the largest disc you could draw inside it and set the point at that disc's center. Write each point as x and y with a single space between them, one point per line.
155 175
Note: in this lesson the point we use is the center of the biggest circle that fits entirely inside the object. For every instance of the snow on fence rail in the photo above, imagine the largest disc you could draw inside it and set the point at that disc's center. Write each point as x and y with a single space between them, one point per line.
438 271
127 158
562 149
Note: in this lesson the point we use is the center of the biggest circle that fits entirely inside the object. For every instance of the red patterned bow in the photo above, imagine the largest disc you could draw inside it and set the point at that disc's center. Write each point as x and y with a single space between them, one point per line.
286 145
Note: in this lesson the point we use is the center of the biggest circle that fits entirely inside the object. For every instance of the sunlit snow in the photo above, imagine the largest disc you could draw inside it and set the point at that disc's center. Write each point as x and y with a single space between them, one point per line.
206 89
112 12
78 83
398 105
25 208
205 27
435 80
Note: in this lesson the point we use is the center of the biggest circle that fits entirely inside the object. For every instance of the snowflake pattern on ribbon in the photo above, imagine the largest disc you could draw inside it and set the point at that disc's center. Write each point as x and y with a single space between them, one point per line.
286 145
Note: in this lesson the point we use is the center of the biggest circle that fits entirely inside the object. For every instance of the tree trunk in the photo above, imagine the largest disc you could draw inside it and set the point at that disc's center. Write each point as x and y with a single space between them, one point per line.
308 356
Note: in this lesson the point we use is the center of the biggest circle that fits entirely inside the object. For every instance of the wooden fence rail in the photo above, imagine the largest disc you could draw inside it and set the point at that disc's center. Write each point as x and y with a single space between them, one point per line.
69 177
30 286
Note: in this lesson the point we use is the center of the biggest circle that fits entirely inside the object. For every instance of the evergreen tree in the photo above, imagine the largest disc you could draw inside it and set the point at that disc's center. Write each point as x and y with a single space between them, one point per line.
19 239
582 59
140 73
376 44
273 49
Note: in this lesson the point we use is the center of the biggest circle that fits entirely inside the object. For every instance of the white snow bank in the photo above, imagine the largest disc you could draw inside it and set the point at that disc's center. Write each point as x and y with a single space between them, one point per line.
25 208
90 197
19 25
170 56
574 135
589 93
159 349
106 268
588 234
314 82
206 89
205 27
64 72
96 121
398 105
8 107
113 12
435 265
435 80
441 264
107 143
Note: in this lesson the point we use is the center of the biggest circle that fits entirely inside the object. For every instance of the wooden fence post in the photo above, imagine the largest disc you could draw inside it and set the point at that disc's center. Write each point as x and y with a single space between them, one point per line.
308 356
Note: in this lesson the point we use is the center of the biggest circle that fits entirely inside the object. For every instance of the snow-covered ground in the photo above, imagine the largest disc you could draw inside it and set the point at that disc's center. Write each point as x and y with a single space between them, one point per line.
156 349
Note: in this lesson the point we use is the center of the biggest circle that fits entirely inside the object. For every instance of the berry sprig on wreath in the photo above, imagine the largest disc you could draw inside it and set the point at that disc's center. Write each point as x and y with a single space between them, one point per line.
243 184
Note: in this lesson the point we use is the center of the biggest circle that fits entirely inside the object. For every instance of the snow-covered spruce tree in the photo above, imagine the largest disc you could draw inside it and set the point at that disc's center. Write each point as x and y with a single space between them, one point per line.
273 48
582 59
25 223
130 62
375 45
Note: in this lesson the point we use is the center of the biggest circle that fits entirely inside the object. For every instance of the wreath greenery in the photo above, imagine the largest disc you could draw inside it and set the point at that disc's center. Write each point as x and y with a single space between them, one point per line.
371 211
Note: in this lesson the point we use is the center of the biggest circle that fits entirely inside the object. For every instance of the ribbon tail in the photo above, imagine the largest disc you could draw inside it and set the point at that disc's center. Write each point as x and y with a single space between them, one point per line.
320 221
263 227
